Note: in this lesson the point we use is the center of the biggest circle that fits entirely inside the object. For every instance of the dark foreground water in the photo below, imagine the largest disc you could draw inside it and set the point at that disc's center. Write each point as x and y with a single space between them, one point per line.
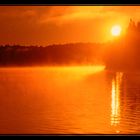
69 100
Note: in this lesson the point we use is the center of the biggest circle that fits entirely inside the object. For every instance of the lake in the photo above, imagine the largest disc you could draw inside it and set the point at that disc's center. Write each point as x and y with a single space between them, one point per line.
69 100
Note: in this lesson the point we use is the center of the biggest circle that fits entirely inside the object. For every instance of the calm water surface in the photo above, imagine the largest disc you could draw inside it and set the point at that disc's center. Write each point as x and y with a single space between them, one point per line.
69 100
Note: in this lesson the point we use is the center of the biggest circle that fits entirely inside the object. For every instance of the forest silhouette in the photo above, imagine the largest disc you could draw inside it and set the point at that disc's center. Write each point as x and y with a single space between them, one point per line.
121 53
60 54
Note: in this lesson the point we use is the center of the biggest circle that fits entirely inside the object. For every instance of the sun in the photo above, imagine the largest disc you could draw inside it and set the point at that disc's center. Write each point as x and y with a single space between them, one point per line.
116 30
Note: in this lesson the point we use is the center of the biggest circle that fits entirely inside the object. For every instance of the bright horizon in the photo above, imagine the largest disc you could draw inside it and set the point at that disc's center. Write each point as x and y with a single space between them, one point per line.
46 25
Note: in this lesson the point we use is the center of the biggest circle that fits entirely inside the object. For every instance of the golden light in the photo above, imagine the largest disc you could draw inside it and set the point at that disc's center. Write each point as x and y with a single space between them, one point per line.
116 30
115 101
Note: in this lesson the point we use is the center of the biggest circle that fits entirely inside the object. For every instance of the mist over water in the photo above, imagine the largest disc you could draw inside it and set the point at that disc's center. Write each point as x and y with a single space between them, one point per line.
69 100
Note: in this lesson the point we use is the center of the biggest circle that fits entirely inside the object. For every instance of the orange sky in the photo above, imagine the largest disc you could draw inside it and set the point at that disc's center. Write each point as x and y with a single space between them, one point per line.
43 25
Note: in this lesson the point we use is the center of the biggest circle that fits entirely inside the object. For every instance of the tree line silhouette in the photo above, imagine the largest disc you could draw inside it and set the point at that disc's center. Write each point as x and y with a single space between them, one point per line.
61 54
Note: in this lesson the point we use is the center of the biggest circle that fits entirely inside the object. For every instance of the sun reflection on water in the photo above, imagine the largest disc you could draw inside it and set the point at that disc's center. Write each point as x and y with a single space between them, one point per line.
115 100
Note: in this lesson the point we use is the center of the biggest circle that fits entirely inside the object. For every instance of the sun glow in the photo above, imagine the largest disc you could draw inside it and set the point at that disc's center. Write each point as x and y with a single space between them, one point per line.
116 30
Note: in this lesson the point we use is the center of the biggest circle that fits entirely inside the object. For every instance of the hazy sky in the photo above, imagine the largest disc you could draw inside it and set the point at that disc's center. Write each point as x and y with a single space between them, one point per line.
43 25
